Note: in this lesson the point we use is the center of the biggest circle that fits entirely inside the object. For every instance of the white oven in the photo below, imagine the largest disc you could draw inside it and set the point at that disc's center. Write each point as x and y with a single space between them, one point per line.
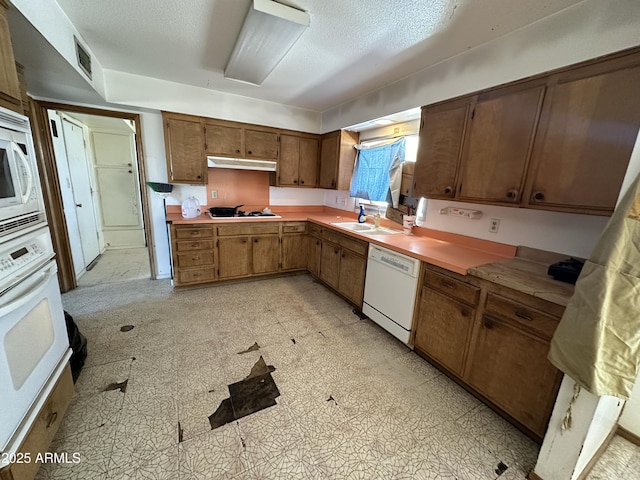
21 204
33 336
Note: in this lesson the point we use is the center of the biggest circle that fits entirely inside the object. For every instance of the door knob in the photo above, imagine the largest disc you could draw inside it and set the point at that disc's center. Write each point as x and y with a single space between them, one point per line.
78 205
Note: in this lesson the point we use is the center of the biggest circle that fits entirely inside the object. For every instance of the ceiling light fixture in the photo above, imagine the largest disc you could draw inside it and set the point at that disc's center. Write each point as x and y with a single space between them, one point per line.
270 30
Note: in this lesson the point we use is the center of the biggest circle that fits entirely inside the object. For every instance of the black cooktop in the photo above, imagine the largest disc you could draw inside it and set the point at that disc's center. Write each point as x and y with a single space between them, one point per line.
240 213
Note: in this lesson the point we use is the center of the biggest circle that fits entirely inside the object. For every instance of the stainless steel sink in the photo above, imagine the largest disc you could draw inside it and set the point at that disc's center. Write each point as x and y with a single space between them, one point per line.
366 228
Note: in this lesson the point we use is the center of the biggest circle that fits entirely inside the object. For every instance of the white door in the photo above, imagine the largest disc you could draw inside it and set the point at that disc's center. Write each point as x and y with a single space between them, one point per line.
68 203
118 188
82 191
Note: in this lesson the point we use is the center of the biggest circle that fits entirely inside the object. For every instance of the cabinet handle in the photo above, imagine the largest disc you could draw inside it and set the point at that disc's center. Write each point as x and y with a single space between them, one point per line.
538 196
195 234
198 177
464 312
255 240
523 316
447 284
295 181
197 274
343 255
301 182
512 194
317 242
238 150
488 324
249 152
335 251
51 419
244 240
448 190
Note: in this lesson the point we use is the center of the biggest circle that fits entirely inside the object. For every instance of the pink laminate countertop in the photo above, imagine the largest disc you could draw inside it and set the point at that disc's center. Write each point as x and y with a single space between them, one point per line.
457 253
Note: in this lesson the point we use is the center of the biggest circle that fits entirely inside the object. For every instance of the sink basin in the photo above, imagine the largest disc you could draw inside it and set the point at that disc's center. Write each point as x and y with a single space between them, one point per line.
365 228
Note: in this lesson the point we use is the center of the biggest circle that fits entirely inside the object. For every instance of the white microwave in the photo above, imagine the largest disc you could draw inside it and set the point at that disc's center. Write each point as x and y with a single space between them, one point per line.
21 204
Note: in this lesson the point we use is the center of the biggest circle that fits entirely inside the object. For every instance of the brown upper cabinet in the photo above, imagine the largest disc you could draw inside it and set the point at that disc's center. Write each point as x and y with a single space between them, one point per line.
232 139
500 134
184 145
298 161
10 96
587 131
560 141
337 158
442 130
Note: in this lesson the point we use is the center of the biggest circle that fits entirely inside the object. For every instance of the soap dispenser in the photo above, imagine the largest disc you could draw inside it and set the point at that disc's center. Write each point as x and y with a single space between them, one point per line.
361 217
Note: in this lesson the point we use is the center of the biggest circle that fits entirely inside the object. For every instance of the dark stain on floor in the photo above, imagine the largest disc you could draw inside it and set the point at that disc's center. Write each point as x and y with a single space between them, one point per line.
252 394
501 468
253 348
122 386
331 399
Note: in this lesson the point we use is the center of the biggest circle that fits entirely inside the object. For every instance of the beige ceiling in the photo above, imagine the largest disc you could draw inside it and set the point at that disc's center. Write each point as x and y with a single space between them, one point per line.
351 48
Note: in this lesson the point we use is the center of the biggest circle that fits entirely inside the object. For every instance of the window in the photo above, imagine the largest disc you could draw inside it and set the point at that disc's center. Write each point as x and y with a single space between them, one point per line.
378 172
411 153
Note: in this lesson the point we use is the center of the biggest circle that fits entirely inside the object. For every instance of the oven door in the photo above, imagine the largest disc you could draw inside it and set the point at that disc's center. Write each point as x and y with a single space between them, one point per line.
33 340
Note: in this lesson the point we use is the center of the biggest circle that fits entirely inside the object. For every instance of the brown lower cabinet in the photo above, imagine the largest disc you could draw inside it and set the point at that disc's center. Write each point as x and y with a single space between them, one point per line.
343 264
494 340
247 249
193 254
43 429
204 253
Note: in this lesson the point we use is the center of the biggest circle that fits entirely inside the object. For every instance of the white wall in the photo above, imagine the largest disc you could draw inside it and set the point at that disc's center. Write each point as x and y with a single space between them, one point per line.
145 92
584 31
630 418
553 231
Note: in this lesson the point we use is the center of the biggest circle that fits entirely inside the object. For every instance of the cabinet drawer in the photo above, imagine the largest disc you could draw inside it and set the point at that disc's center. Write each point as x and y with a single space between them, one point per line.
194 232
315 229
196 275
356 246
194 259
186 246
452 287
249 229
44 427
294 227
521 314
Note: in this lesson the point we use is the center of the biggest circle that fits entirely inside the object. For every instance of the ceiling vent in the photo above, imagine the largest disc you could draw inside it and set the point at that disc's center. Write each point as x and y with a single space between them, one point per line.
83 57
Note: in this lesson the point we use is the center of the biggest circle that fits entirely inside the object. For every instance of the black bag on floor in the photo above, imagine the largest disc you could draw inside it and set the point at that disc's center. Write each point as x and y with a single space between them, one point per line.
78 343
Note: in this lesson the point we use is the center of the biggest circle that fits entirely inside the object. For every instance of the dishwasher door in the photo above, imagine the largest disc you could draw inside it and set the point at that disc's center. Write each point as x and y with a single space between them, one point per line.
390 290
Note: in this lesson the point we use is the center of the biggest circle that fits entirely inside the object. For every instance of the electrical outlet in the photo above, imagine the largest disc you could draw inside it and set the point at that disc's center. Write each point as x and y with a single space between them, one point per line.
337 200
214 193
494 226
344 201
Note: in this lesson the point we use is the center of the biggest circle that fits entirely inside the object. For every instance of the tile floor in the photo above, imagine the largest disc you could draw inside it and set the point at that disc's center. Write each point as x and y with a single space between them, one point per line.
354 403
118 265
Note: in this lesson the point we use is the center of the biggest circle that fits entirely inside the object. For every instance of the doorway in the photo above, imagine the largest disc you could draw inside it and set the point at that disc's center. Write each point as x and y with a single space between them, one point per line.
93 177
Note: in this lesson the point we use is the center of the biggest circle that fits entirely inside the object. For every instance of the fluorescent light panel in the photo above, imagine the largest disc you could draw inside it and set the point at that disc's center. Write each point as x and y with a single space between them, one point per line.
269 31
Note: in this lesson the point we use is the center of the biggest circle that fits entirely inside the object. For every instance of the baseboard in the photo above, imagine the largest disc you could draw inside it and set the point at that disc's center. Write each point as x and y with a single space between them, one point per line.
627 435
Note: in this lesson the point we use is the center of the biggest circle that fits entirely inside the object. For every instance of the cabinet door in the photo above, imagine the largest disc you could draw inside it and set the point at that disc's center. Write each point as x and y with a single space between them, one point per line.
223 140
308 164
315 252
288 160
184 143
443 329
441 137
352 271
585 140
294 252
10 96
234 257
511 369
330 264
265 253
329 160
498 146
261 144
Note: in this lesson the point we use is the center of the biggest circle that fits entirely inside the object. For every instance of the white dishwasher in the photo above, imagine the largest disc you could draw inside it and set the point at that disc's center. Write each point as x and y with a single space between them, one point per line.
390 290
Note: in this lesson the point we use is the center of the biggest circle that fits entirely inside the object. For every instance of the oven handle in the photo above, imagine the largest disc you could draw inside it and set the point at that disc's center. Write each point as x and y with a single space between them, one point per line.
23 291
27 169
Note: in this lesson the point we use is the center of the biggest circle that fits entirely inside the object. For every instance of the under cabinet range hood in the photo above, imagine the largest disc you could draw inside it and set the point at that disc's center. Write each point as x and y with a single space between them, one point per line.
241 164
